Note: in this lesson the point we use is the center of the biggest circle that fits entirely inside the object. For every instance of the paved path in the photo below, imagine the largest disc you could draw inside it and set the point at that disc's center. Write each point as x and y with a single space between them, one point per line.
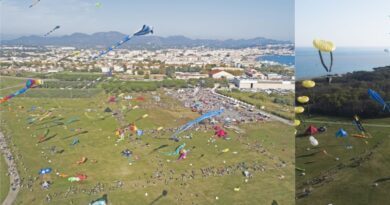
14 176
346 123
272 117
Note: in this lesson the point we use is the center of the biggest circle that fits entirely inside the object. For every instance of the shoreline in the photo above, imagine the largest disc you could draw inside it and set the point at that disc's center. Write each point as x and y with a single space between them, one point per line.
13 173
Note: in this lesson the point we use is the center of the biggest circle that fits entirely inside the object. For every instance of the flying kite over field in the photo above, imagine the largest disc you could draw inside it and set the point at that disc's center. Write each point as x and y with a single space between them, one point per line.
196 121
177 150
35 2
325 46
51 31
378 98
144 31
44 171
358 124
29 84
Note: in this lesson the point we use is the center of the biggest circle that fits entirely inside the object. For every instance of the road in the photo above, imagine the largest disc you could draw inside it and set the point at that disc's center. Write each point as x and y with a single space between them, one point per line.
9 200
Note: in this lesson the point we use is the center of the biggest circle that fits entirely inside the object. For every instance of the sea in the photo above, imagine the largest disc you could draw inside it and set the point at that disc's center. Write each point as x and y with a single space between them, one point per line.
280 59
308 64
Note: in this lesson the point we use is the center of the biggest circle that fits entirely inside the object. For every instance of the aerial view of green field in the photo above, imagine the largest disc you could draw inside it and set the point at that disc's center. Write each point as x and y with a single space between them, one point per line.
73 146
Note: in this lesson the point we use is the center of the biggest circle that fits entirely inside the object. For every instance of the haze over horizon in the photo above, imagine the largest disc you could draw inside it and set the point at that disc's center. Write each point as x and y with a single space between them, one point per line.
199 19
348 23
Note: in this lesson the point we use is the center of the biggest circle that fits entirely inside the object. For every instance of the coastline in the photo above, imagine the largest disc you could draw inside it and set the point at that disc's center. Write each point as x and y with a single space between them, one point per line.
12 171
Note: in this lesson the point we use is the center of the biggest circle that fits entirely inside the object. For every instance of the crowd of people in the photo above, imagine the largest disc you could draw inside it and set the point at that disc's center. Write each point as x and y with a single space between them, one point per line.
203 100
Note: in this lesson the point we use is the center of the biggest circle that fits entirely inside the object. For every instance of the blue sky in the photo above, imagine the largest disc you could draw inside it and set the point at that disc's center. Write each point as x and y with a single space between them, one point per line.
217 19
349 23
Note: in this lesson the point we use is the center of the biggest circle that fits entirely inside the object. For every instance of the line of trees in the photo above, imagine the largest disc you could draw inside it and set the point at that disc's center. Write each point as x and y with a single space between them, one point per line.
347 95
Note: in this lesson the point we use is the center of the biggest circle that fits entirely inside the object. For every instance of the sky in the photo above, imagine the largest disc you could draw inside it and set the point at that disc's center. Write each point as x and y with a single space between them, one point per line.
211 19
348 23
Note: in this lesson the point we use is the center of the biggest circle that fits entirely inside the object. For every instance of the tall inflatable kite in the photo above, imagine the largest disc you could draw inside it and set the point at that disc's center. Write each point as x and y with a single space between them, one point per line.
29 84
196 121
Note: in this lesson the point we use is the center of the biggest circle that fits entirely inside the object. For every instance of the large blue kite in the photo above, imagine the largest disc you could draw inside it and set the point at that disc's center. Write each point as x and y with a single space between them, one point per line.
144 30
375 96
196 121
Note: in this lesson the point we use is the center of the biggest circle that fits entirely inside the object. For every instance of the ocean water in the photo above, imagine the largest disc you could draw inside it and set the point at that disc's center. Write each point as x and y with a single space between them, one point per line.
308 64
285 60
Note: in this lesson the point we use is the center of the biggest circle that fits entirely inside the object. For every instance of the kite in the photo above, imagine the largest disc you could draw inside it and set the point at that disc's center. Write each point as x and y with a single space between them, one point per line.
196 121
144 31
303 99
225 150
140 133
34 3
44 171
98 4
82 160
329 47
183 154
297 122
75 141
29 84
77 178
51 31
177 151
358 124
299 109
313 141
341 133
376 97
127 153
100 201
308 83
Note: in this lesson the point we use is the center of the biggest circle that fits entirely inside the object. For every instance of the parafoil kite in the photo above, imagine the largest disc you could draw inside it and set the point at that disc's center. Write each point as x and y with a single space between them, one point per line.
183 154
325 46
313 141
303 99
100 201
308 83
297 122
144 31
45 171
376 97
51 31
177 150
196 121
299 109
341 133
29 84
358 124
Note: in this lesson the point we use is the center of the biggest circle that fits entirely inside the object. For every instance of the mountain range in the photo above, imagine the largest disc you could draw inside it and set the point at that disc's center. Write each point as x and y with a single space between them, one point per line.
105 39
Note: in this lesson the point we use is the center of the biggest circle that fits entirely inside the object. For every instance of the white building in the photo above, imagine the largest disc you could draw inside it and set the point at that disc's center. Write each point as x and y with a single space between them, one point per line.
248 83
186 76
105 69
217 74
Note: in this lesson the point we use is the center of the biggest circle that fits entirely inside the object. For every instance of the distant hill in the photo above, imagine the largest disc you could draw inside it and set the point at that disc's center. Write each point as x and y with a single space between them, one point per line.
347 95
104 39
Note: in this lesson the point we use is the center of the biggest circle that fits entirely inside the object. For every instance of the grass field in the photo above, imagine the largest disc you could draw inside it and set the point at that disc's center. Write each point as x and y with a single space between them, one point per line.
268 144
350 179
4 179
